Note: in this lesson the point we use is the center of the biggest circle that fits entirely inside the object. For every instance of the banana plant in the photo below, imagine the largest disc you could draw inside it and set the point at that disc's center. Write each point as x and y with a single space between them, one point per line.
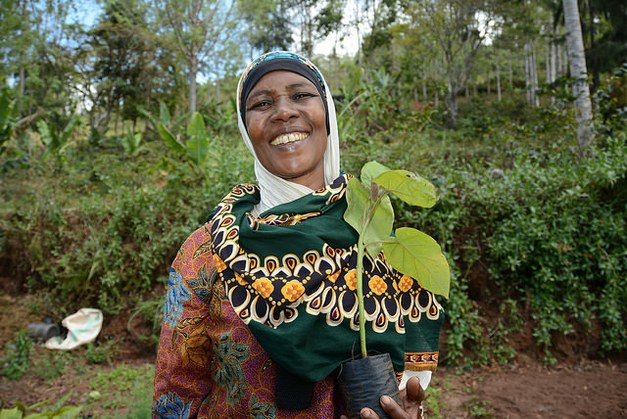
56 142
131 142
164 117
408 250
196 149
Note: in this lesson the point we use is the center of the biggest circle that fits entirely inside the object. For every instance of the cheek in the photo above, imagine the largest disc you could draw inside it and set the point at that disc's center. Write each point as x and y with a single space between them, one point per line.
253 127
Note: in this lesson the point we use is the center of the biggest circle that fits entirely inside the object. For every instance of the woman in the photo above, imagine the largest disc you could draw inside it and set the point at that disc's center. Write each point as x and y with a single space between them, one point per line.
260 308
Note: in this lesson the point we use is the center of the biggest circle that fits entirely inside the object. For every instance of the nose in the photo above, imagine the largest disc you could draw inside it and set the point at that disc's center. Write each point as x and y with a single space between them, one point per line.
284 110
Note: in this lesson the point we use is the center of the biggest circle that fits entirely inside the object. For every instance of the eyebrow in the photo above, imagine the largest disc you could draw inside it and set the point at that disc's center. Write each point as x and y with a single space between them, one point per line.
289 87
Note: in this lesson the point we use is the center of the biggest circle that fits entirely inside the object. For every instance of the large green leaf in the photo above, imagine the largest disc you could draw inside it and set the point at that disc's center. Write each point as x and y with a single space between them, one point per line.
416 254
69 129
14 413
380 226
197 146
169 139
164 114
371 170
358 199
409 187
196 128
198 149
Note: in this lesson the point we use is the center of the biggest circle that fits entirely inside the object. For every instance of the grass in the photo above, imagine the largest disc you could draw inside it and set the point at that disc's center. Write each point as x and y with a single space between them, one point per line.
125 391
477 408
74 382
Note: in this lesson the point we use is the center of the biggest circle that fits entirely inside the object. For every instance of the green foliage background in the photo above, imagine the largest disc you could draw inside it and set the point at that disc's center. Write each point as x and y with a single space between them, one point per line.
535 236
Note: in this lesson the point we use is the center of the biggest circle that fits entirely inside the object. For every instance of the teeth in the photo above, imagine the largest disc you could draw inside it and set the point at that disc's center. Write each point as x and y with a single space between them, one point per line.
289 138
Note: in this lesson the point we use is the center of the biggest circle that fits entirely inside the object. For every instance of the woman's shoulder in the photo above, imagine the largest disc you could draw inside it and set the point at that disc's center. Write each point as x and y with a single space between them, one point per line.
197 244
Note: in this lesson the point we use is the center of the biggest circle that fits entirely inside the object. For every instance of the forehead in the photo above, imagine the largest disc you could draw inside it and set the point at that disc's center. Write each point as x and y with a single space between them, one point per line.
280 80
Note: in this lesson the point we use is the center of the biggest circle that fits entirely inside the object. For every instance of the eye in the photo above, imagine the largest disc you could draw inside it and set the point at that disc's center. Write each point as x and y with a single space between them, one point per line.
303 95
260 105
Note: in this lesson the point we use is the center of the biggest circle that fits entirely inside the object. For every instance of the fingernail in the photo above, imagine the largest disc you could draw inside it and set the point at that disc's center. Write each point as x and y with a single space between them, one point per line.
385 399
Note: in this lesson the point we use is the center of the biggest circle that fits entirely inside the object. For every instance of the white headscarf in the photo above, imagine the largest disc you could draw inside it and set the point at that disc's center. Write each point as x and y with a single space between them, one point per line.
275 190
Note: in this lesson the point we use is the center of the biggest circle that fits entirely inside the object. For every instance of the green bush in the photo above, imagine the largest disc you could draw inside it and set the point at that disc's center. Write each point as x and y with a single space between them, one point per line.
549 235
16 361
101 353
105 226
535 236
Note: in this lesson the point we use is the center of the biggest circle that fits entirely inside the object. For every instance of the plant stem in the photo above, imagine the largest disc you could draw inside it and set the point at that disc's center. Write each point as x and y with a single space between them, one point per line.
360 298
360 269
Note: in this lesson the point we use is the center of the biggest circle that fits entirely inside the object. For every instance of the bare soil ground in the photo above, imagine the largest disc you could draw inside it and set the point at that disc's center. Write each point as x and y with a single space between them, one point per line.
587 389
574 390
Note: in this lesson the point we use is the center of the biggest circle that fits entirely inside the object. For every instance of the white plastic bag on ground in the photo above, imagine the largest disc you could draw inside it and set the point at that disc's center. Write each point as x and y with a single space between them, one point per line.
83 327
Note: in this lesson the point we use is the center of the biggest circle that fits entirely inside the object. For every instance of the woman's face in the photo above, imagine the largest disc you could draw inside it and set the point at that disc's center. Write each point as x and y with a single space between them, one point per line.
286 122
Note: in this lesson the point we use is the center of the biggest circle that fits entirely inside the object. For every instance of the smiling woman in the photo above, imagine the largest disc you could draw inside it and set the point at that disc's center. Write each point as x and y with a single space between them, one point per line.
286 122
269 312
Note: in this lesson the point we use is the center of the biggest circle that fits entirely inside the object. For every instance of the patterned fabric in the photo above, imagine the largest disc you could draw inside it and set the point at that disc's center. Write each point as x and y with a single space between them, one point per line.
294 284
211 364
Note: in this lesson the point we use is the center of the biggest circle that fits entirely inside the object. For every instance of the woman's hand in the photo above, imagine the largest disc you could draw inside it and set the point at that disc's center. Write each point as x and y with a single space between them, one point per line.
412 398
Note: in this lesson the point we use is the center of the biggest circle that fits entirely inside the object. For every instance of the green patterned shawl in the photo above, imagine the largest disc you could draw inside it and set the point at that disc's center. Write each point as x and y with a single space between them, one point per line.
290 276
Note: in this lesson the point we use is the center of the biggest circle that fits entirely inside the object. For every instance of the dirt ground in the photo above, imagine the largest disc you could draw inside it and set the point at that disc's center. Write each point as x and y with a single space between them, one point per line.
588 389
575 390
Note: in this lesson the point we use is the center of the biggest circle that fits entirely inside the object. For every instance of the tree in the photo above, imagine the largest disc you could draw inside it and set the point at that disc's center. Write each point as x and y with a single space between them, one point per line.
123 54
577 59
458 34
378 46
15 48
604 32
200 30
268 24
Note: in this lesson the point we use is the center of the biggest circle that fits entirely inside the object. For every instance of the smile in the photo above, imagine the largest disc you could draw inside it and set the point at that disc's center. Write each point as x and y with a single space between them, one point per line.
289 138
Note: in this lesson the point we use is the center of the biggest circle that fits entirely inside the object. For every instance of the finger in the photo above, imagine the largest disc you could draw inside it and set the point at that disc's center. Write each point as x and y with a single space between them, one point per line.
392 408
367 413
415 392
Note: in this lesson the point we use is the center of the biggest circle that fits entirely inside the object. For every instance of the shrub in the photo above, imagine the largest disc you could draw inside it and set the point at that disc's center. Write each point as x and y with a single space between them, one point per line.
16 359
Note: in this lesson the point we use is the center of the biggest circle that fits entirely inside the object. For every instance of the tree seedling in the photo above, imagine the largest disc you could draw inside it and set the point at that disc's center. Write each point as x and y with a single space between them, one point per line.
409 251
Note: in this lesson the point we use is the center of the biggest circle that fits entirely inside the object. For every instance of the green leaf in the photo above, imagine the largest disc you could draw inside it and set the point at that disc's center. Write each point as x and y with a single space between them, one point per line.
14 413
371 170
196 128
198 149
164 114
169 140
69 129
380 226
416 254
59 403
409 187
68 412
358 199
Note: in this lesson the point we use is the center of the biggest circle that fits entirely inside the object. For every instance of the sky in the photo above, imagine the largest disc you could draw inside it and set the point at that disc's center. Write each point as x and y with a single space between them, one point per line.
87 12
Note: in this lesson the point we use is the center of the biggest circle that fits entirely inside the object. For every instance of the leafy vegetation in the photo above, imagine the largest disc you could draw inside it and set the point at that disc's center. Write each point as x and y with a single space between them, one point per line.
125 388
105 168
16 359
534 235
41 410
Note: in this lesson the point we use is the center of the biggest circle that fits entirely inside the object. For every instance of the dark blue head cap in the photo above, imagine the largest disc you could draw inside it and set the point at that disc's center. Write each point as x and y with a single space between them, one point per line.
285 61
